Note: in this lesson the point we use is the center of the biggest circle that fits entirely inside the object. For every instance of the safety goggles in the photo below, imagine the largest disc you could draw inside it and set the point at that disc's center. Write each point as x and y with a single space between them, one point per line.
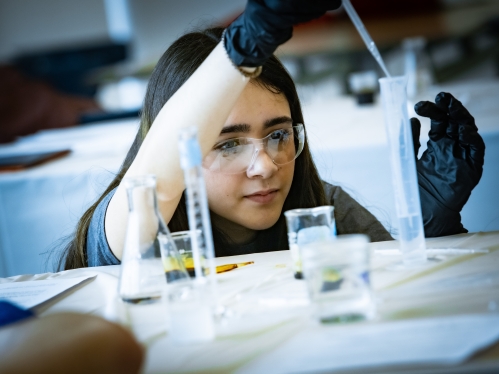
237 155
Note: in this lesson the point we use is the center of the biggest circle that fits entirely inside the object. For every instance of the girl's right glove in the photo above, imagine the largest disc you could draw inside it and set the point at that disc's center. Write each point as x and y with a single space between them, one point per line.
265 24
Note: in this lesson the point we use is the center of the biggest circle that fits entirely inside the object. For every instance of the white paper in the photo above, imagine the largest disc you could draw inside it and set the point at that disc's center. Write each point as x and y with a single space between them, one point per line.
33 293
448 340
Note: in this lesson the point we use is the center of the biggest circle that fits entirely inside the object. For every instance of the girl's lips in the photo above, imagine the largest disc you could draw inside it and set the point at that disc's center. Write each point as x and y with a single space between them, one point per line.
262 197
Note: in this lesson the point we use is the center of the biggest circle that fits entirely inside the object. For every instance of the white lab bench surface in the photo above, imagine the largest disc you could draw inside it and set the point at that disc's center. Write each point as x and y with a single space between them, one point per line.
430 319
40 205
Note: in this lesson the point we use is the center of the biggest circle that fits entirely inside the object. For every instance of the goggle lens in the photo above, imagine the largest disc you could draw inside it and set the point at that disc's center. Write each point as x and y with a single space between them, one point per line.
236 155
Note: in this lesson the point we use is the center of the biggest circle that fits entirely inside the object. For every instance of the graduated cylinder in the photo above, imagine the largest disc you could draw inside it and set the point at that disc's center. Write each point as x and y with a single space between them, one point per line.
403 165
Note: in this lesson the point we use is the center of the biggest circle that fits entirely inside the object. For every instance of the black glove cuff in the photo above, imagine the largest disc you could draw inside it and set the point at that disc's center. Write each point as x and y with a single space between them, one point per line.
438 220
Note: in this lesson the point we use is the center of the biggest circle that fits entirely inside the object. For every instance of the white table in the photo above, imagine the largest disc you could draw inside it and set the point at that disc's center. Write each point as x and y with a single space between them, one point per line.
270 327
41 205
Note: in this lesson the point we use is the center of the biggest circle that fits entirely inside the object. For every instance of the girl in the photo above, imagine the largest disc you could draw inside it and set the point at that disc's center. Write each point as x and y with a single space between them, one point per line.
230 86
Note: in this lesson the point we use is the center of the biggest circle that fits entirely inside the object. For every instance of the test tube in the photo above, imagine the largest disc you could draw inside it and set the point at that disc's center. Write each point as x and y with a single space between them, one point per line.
197 204
403 165
193 302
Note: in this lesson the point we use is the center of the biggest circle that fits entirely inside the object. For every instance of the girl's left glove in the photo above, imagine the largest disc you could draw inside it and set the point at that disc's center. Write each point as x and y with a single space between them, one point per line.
265 24
451 166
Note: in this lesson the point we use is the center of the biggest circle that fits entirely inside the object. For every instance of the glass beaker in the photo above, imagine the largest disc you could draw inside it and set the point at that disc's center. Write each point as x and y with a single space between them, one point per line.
173 263
307 226
403 165
183 241
189 298
337 277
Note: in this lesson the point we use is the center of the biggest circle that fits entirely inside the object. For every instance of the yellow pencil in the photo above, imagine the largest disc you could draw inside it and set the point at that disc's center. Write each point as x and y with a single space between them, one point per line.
229 267
189 265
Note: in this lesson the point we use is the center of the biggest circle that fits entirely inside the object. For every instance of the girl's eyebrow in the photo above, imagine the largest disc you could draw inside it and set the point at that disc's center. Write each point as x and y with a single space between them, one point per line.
277 121
245 128
240 127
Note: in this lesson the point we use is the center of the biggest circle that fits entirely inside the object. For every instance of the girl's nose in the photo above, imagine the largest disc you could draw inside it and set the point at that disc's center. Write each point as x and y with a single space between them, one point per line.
262 165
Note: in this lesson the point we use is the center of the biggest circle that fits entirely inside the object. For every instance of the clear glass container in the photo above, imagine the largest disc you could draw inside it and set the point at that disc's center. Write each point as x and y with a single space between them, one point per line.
203 251
337 278
193 303
403 165
183 241
142 278
417 66
308 226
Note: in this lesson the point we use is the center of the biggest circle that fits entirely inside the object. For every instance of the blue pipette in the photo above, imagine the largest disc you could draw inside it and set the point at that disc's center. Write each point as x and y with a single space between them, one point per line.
365 35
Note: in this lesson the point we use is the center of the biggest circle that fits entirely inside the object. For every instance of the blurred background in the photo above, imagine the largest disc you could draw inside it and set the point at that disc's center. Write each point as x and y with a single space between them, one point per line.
73 75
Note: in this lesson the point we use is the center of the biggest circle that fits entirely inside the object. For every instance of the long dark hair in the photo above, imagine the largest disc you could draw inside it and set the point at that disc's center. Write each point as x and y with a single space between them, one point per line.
176 65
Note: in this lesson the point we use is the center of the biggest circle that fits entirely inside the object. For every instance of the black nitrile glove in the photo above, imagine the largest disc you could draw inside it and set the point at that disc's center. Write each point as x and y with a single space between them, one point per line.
265 24
451 166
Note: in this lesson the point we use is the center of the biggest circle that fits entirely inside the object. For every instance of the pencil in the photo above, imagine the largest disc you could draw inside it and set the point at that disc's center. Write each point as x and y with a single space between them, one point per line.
229 267
189 266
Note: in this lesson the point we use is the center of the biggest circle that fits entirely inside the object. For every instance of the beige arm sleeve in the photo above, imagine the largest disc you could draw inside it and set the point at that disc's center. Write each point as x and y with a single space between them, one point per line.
205 101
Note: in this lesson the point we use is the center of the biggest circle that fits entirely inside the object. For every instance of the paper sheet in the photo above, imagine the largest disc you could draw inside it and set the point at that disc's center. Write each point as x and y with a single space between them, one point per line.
33 293
448 340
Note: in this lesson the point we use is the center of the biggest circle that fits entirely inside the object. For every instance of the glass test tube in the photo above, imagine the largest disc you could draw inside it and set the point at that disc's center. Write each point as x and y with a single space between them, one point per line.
197 204
403 165
193 302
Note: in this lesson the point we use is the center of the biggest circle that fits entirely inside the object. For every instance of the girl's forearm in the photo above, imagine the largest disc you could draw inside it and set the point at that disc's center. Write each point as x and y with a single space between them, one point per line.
205 101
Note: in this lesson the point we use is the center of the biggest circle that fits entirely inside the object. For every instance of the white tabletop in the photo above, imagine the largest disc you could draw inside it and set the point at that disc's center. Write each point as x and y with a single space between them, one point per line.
270 328
41 205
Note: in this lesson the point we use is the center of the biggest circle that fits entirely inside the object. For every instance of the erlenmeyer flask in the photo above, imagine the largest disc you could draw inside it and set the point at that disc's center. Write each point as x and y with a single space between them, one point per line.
142 277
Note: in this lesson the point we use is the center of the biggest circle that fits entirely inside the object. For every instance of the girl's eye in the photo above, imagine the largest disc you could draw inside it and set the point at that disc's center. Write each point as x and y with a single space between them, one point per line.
230 147
229 144
282 135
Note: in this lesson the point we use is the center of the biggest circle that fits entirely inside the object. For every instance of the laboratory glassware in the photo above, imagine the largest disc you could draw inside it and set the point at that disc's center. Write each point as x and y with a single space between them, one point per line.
173 263
189 302
197 205
183 241
142 276
417 66
193 303
337 278
306 226
404 177
403 166
142 285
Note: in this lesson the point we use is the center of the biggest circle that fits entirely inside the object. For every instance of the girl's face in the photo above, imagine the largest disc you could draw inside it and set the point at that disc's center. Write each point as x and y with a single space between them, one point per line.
253 199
